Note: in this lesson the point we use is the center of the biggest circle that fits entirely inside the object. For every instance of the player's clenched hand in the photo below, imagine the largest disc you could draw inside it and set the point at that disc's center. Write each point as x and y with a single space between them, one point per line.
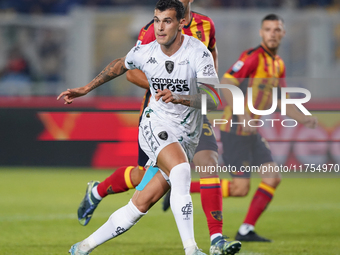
167 96
71 94
310 121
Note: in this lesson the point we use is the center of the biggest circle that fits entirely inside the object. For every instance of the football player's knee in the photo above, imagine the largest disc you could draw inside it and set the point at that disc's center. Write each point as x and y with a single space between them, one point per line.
211 167
276 182
273 182
242 192
142 207
137 175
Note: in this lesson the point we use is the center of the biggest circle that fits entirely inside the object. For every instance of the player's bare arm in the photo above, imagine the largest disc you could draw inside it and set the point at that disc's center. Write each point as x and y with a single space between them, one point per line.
111 71
187 100
138 78
214 53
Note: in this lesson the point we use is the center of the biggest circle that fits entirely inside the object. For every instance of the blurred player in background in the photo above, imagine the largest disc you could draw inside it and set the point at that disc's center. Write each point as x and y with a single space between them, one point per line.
170 127
262 69
127 177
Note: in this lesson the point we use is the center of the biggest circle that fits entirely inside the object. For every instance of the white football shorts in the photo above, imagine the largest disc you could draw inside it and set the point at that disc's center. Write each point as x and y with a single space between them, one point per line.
155 134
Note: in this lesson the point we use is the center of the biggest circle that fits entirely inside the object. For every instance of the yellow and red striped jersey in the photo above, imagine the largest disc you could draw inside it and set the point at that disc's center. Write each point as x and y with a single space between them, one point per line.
200 27
262 71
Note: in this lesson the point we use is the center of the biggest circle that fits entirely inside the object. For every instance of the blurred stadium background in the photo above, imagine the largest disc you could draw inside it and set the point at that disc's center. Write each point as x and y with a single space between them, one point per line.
47 46
48 150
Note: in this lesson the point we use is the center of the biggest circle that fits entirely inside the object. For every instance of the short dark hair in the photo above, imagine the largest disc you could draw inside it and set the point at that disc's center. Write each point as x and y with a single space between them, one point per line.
272 17
164 5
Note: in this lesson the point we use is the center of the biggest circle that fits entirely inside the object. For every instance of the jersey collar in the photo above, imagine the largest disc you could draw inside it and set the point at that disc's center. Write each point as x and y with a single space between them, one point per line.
192 17
267 51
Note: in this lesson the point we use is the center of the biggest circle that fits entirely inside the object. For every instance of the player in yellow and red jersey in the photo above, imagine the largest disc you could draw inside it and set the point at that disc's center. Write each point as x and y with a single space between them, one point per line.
209 186
262 69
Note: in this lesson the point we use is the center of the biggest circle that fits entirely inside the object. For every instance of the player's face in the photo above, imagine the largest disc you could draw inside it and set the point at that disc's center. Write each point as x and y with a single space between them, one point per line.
272 31
167 26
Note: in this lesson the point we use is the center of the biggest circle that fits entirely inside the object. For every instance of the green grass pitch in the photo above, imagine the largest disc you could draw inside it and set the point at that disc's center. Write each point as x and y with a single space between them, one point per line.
38 217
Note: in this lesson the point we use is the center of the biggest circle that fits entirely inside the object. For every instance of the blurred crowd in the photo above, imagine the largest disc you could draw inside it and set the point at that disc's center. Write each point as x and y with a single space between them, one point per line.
28 56
64 6
33 58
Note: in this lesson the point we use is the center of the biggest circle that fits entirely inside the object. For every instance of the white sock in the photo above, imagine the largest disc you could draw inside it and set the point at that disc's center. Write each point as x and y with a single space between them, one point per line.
181 204
95 193
245 228
213 236
190 250
118 223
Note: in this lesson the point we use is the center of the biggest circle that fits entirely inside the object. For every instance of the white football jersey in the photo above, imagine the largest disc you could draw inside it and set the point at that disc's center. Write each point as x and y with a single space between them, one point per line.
177 73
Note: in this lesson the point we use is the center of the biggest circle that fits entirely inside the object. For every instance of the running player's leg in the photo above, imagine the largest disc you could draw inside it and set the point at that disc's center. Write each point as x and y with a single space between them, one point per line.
124 178
121 180
161 143
262 197
261 156
125 217
206 155
211 197
173 161
236 154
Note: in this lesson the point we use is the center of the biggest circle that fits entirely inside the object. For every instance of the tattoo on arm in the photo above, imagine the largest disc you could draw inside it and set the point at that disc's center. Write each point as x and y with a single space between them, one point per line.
194 101
111 71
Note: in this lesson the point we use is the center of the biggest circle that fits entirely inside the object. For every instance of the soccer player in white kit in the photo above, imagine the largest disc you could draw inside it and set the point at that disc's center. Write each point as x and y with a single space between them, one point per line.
170 126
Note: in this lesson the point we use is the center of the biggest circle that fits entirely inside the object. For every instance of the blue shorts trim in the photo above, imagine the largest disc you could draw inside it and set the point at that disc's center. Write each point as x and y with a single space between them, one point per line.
149 174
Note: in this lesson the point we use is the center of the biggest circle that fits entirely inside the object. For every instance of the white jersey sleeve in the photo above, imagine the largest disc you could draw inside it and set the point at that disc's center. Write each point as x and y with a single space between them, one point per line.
205 68
134 58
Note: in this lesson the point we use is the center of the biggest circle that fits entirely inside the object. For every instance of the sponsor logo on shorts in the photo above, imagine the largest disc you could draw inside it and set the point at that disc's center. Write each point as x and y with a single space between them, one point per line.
163 135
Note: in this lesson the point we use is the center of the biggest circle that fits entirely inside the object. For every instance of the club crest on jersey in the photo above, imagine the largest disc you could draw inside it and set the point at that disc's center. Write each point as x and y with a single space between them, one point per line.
169 66
199 35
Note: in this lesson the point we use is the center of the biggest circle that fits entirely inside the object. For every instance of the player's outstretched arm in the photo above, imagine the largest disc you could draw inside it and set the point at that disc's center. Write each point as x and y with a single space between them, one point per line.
111 71
192 101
